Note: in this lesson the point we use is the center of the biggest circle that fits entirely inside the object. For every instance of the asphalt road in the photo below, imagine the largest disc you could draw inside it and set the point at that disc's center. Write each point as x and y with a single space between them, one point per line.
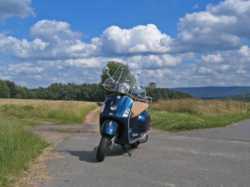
213 157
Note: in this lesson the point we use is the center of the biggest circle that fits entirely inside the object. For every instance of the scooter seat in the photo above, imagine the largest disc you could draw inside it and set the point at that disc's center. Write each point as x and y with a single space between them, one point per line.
138 107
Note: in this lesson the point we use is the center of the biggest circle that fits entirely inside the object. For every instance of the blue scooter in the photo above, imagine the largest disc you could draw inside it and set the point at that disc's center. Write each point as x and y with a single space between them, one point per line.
124 119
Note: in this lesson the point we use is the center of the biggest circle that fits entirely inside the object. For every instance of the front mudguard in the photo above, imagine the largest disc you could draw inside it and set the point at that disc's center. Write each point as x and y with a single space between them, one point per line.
109 128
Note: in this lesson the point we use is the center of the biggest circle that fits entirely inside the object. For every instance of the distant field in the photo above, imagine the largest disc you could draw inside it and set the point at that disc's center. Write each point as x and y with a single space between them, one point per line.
44 110
187 114
18 145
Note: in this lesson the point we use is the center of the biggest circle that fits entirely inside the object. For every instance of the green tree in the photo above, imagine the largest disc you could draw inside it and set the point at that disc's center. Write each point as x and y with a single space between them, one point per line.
87 92
12 88
22 92
4 90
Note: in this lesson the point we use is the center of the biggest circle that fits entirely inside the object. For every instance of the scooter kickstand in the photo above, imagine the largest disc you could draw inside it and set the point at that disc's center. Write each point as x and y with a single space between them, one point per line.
125 149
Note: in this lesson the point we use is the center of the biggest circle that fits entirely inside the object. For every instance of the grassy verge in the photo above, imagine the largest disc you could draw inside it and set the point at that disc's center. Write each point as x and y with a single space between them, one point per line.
191 114
18 146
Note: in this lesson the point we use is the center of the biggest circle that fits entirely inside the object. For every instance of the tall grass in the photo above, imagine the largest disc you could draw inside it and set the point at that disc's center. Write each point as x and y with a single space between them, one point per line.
187 114
17 147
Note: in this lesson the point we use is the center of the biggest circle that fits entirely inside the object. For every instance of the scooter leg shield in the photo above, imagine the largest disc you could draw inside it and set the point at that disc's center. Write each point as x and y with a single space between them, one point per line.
109 128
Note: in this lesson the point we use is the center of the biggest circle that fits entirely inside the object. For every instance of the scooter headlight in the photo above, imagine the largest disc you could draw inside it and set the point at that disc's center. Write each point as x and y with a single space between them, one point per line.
124 88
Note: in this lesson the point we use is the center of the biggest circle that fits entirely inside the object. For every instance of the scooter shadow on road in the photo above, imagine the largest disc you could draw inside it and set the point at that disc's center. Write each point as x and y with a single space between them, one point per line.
90 156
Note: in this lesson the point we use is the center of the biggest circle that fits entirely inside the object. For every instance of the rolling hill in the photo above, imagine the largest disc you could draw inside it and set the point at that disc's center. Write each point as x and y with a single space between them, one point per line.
215 92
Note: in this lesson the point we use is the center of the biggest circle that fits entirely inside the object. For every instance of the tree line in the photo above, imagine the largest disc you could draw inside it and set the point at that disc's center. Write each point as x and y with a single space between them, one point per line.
70 91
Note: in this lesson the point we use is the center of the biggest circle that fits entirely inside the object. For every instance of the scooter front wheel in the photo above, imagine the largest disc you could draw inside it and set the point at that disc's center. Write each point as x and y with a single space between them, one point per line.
102 149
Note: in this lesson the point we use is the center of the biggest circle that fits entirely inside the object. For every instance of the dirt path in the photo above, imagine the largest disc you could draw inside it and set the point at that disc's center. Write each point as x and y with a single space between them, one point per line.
37 174
56 133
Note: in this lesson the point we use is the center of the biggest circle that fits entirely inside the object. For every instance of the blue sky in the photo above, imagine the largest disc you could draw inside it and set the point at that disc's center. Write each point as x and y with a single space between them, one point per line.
174 43
93 16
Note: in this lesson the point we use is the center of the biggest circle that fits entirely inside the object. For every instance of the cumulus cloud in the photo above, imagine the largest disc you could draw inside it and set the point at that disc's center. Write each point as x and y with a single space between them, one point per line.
219 27
19 8
20 48
52 30
56 40
220 68
140 39
51 40
43 73
224 68
57 53
63 42
153 62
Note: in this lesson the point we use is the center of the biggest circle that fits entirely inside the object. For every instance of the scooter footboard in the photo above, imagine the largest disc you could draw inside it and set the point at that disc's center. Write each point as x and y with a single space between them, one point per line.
109 128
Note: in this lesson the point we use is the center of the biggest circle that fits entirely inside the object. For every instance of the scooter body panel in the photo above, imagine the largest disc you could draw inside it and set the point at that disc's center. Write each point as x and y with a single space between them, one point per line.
117 106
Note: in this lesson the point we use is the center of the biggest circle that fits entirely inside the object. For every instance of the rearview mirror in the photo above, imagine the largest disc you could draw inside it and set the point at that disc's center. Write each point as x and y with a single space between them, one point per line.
107 70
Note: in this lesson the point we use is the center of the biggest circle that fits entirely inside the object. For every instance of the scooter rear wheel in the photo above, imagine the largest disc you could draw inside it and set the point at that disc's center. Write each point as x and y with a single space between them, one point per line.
102 149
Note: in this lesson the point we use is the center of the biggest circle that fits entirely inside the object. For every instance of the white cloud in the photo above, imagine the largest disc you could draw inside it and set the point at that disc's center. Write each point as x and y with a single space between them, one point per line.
214 58
137 40
219 27
25 68
153 62
19 8
51 40
223 68
20 48
51 30
63 42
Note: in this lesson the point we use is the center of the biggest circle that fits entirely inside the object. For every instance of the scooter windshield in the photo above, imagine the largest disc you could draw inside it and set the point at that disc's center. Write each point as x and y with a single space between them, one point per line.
121 80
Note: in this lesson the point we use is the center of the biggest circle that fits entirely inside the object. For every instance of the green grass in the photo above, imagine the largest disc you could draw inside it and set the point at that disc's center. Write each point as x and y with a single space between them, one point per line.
171 121
18 146
179 115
